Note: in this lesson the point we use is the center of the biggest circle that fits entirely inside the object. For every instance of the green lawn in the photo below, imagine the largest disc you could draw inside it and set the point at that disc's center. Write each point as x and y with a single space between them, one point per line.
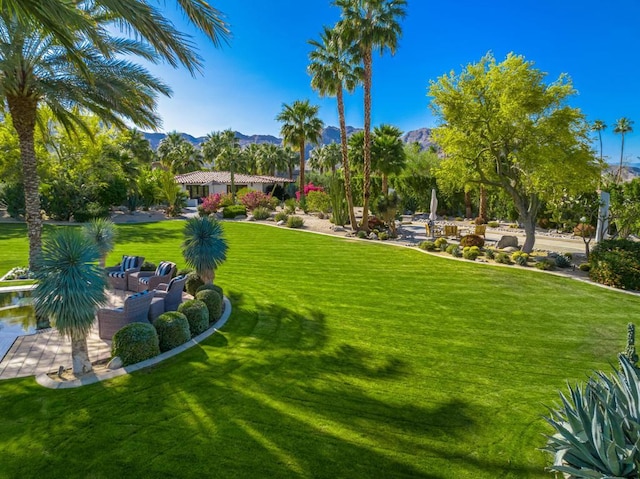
341 359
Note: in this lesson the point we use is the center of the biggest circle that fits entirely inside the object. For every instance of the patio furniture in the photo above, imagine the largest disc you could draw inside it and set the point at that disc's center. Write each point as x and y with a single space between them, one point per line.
171 292
134 310
432 231
147 280
451 231
119 275
481 230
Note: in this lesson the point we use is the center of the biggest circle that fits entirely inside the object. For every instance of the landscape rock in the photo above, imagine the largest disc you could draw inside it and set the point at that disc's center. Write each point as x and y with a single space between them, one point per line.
115 363
373 236
510 249
507 241
251 218
280 223
241 217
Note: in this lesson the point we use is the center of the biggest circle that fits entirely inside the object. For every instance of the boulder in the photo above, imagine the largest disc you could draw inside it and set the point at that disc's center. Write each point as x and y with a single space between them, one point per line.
373 236
507 241
280 223
510 249
115 363
251 218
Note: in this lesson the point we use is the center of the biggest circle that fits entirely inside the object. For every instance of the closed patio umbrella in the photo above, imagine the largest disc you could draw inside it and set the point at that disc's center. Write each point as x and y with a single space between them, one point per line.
432 212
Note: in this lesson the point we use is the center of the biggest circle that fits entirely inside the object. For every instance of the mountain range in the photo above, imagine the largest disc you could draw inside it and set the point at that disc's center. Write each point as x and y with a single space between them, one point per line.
330 134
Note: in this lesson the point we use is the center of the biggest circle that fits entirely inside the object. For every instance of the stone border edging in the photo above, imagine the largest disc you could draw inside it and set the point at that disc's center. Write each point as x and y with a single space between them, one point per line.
46 381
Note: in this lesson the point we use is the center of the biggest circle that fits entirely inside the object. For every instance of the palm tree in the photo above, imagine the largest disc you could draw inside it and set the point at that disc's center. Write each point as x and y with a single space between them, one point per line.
204 247
332 70
102 233
622 126
369 24
211 148
178 155
229 157
35 70
300 125
387 153
599 126
61 20
271 158
251 155
326 157
71 287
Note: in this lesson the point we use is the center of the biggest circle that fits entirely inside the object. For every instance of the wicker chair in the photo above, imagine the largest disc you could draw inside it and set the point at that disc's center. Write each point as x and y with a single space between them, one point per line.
119 274
171 292
134 310
147 280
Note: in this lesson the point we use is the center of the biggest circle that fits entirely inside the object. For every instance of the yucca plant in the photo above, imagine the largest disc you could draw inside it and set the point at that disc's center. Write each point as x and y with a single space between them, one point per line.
71 287
102 233
204 247
598 427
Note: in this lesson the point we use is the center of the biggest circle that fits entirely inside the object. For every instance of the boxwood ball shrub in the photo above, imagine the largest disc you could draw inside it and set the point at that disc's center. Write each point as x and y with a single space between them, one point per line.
472 240
585 267
427 245
192 283
451 248
232 211
213 287
616 263
173 330
197 314
295 222
520 258
470 253
135 342
441 243
213 300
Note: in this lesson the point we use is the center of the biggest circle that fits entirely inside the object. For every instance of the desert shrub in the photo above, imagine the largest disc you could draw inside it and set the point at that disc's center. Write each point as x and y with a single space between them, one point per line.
210 204
383 235
450 248
274 202
255 199
362 234
502 258
197 315
173 330
318 201
427 246
281 216
472 240
226 199
441 243
232 211
213 300
135 342
490 253
210 287
585 267
545 265
519 254
522 260
493 224
470 253
375 223
562 261
89 212
290 206
148 266
261 213
184 271
616 263
192 283
456 252
459 218
294 222
513 225
569 255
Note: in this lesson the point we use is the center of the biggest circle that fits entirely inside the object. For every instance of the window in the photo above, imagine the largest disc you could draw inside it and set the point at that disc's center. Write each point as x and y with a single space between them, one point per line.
198 191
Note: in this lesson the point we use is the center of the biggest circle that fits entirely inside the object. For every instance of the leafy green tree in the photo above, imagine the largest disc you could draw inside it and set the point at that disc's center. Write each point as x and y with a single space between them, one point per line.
625 207
503 126
369 24
622 126
204 247
334 69
178 155
300 124
36 71
71 287
417 179
387 153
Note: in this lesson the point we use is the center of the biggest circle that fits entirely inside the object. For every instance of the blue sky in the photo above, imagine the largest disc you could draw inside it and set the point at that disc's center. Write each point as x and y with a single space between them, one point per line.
244 84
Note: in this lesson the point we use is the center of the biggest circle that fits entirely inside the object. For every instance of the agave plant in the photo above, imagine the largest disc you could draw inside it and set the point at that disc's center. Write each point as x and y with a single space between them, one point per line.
71 287
598 427
204 247
102 232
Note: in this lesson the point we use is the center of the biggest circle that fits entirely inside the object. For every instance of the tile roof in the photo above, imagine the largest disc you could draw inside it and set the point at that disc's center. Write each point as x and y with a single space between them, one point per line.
224 178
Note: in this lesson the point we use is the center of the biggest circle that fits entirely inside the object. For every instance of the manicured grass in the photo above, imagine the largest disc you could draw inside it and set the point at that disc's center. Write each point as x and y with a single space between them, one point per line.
341 358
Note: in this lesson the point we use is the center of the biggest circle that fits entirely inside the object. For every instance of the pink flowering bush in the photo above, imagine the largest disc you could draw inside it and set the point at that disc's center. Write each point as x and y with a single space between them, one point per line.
307 188
210 204
254 199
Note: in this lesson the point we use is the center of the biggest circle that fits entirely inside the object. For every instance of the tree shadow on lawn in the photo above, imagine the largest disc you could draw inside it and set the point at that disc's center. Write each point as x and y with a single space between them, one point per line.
148 233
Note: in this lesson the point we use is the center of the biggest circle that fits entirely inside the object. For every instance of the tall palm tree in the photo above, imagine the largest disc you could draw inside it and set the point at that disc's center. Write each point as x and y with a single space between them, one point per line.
251 154
333 69
71 287
387 153
599 126
61 19
229 157
271 158
211 147
622 126
326 157
369 24
204 247
300 125
178 154
35 71
102 233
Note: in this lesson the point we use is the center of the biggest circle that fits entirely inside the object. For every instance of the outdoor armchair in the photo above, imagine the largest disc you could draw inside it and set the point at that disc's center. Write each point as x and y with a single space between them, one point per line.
134 310
119 275
148 280
171 292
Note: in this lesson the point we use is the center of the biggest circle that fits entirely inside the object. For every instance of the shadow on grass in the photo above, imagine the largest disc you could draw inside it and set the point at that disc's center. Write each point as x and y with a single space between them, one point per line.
147 233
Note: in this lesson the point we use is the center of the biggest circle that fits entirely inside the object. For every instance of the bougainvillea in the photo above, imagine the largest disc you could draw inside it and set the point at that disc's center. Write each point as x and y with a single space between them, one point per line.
307 188
210 204
254 199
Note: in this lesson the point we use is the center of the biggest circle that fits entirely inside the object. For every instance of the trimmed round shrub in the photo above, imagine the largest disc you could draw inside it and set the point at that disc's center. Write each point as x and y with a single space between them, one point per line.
616 263
213 287
470 253
135 342
520 258
197 314
173 330
232 211
192 283
148 266
294 222
472 240
213 300
544 265
502 258
261 213
451 247
281 216
441 243
427 246
362 234
585 267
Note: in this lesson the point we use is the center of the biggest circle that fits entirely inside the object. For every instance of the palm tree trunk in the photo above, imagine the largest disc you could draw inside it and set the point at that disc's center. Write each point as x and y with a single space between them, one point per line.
233 184
80 356
345 160
366 187
301 177
600 138
619 178
23 112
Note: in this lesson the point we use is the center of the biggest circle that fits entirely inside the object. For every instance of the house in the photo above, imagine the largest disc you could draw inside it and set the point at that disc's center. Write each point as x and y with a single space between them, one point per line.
199 184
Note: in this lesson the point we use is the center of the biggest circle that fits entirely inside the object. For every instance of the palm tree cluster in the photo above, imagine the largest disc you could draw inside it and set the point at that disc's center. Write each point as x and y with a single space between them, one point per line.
622 126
